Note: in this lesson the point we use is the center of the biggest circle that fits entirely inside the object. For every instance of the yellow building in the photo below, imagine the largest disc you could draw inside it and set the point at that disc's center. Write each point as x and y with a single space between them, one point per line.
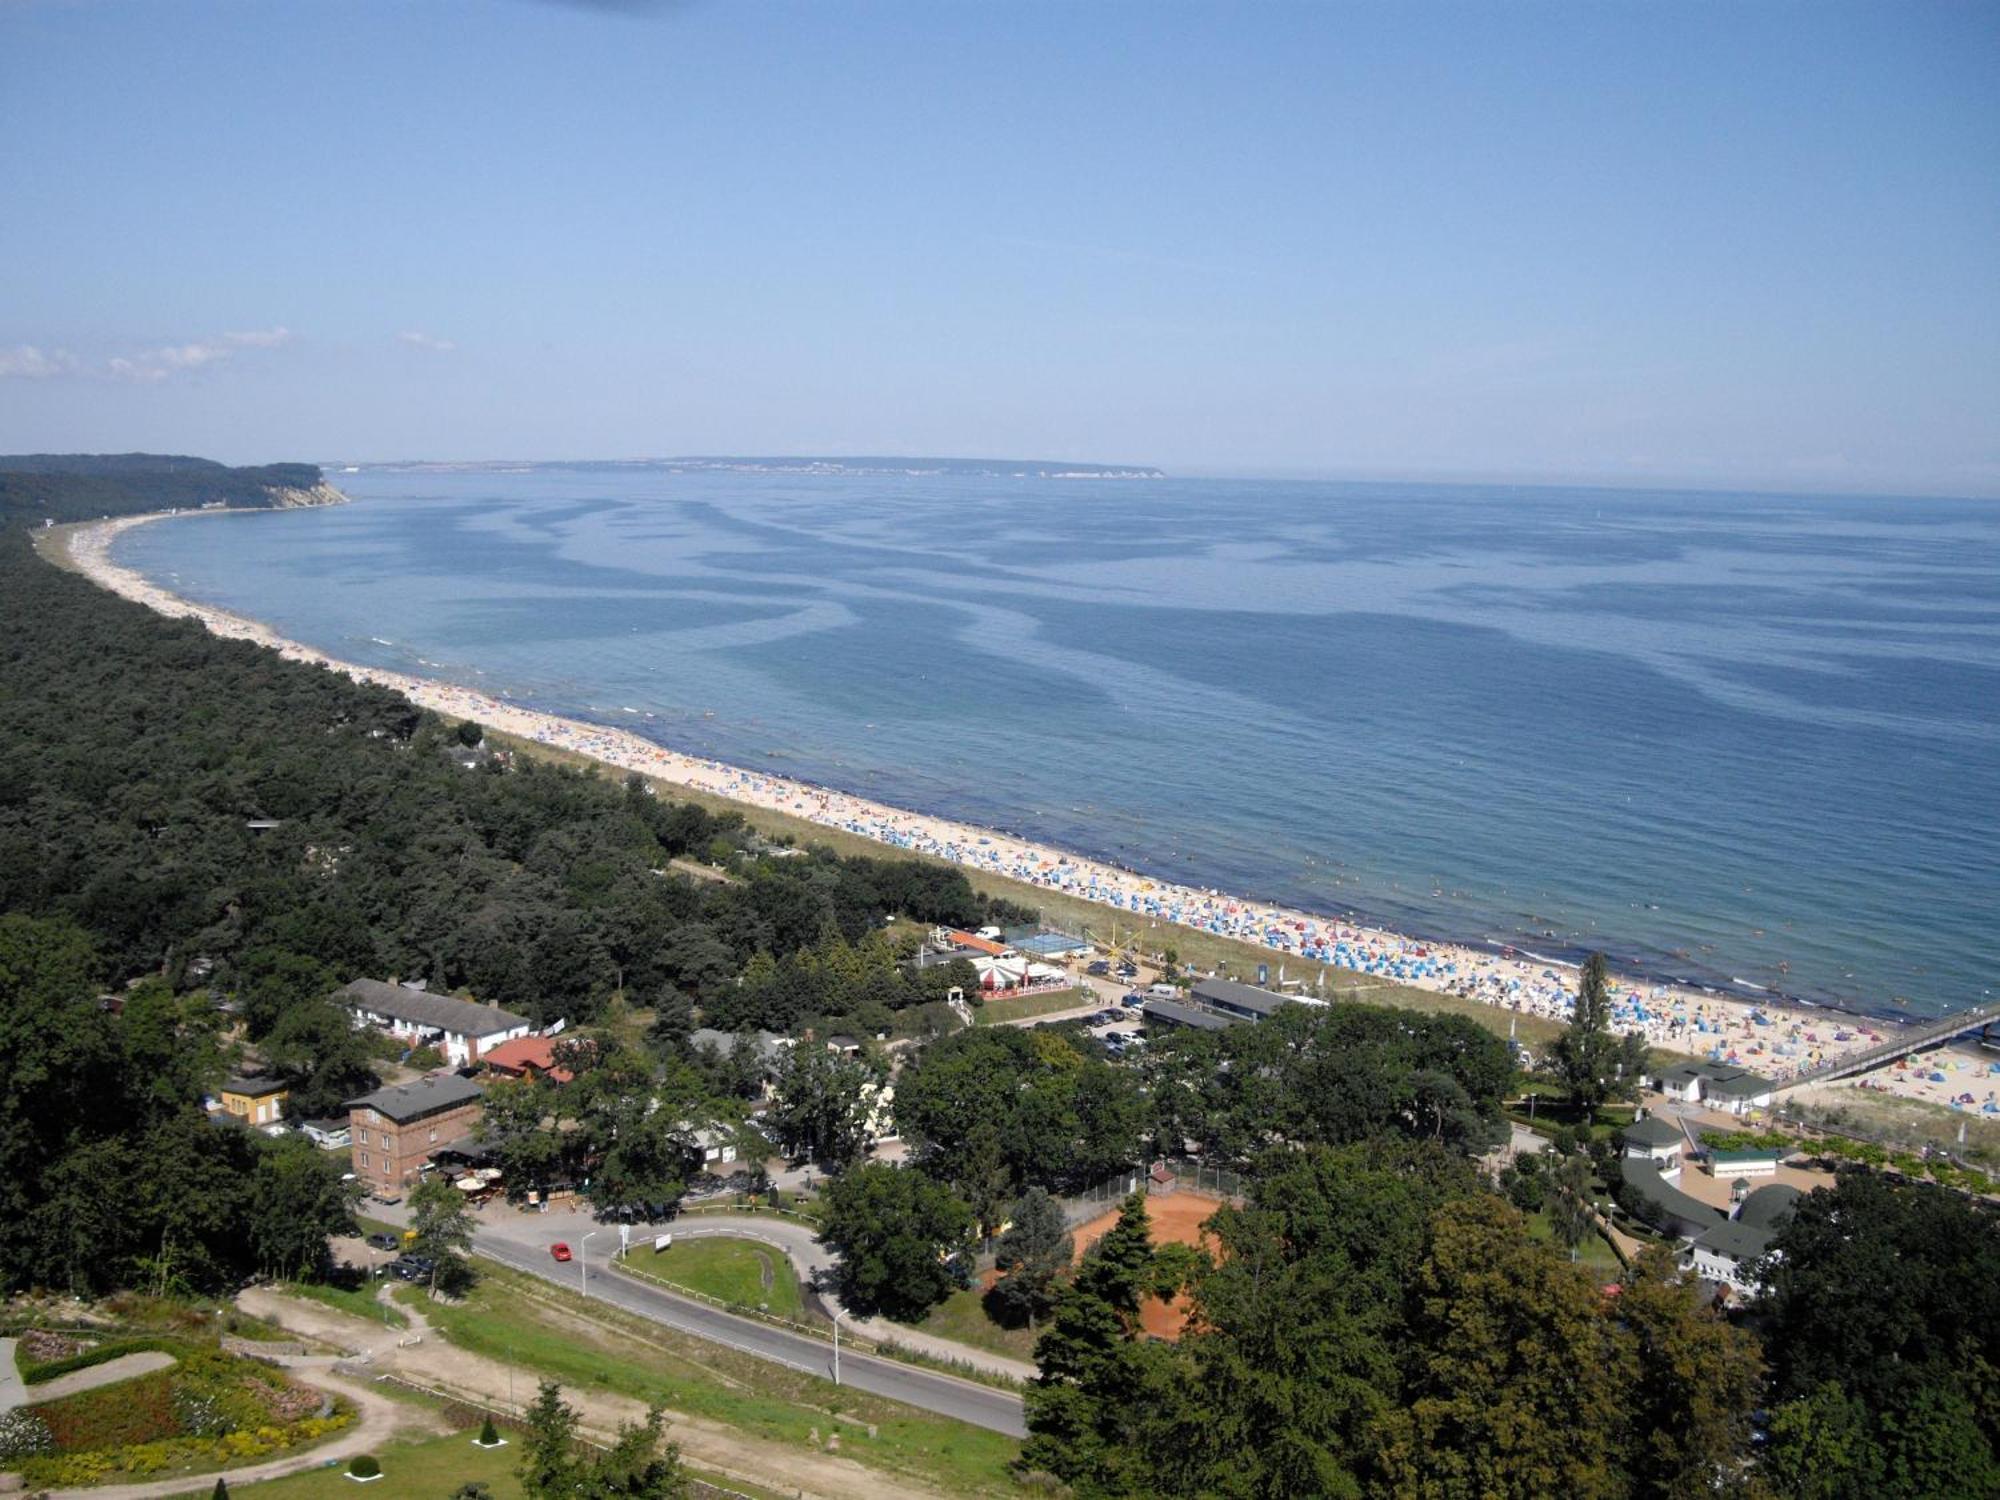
255 1101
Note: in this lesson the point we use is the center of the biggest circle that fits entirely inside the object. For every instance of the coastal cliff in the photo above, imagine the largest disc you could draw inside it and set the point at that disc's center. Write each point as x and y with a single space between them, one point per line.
295 497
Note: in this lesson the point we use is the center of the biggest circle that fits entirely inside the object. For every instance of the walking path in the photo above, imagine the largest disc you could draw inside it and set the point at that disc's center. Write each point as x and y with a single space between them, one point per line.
436 1364
125 1367
13 1392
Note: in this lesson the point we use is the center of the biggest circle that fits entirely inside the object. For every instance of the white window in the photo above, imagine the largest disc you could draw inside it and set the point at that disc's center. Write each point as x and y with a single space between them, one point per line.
364 1160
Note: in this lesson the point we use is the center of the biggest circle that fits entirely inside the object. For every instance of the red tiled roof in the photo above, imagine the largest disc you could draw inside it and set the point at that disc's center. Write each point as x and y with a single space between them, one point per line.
977 944
525 1053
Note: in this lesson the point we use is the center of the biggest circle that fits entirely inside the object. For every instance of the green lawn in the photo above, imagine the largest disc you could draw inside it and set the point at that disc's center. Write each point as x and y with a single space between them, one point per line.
1594 1254
357 1300
961 1317
993 1012
543 1329
743 1273
431 1469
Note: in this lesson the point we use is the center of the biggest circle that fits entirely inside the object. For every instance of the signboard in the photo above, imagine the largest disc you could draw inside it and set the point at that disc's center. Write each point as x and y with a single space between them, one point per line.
1263 974
661 1242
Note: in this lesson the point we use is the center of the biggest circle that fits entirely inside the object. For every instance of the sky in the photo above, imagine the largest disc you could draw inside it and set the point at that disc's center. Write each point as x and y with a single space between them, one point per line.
1731 245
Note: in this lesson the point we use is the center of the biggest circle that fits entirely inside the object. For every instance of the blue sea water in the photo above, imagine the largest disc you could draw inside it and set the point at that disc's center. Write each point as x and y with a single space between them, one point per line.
1743 738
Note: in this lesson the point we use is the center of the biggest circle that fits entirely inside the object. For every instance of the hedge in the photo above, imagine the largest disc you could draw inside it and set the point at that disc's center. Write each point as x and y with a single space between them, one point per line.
50 1369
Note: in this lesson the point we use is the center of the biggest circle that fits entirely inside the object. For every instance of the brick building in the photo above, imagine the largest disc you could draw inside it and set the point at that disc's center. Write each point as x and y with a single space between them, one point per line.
395 1131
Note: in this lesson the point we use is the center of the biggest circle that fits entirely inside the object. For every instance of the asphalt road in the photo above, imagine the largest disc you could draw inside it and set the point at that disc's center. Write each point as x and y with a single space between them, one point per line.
968 1401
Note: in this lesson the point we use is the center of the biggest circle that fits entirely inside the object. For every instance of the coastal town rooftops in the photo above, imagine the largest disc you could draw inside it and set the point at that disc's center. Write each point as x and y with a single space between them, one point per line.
1684 1212
527 1054
421 1008
1651 1131
1242 999
1734 1083
404 1102
1184 1015
1736 1240
1769 1206
260 1087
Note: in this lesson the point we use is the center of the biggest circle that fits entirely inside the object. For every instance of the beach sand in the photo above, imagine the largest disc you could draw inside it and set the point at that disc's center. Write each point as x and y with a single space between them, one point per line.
1774 1039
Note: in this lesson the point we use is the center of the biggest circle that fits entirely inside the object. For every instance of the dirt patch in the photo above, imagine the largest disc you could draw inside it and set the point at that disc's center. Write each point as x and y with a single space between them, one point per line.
1177 1218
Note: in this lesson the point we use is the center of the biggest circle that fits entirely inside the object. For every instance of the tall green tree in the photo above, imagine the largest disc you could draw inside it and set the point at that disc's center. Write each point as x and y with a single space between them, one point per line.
555 1464
1033 1253
1504 1393
822 1105
442 1226
1594 1064
897 1234
299 1197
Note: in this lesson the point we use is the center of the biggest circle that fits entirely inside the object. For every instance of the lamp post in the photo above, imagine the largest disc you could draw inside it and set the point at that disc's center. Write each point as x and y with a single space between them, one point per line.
836 1347
583 1265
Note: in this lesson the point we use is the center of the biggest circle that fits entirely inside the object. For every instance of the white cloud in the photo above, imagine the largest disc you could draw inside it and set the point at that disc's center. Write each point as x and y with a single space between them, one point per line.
426 341
26 362
150 365
259 338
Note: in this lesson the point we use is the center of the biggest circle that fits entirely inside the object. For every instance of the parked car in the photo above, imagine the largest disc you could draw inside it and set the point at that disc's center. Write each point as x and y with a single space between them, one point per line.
414 1268
385 1242
1100 968
559 1250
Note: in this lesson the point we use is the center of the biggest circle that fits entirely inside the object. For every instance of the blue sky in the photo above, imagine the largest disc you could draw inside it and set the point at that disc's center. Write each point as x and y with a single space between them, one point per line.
1730 244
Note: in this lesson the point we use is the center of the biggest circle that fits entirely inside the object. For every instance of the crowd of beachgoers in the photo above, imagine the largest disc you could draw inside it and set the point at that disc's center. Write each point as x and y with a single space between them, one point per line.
1775 1039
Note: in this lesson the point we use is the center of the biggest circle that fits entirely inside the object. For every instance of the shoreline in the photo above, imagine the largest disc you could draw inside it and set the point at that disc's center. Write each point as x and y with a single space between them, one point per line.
1778 1036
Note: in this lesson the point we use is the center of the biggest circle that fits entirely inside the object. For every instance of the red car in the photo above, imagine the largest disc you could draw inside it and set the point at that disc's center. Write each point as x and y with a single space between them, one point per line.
559 1250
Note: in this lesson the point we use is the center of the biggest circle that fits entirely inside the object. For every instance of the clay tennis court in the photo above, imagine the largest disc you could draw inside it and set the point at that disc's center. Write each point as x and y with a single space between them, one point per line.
1176 1219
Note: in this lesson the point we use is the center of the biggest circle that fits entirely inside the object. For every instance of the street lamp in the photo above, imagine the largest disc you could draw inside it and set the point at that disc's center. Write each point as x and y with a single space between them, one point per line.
836 1347
583 1264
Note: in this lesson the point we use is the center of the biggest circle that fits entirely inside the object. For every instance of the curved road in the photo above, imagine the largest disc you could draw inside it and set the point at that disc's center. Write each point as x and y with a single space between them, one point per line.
947 1395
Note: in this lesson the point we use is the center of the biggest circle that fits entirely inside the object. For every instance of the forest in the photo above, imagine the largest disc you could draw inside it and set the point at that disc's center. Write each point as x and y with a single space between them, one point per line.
219 839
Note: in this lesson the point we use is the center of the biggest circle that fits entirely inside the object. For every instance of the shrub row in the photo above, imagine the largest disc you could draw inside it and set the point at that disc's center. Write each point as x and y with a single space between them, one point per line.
36 1374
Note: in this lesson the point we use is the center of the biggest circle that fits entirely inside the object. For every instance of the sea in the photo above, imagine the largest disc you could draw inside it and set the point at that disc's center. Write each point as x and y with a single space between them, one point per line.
1744 740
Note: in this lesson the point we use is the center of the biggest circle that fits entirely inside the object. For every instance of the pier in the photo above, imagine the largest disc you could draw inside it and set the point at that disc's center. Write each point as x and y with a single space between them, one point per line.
1981 1019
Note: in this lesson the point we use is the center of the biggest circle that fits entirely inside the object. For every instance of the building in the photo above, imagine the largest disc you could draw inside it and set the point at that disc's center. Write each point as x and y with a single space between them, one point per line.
1722 1086
1171 1015
397 1130
1040 942
527 1057
1660 1201
1748 1161
1653 1139
1729 1251
460 1029
1243 1001
328 1135
255 1101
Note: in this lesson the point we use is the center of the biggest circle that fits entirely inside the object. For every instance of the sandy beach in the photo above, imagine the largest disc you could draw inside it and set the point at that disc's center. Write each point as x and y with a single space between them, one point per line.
1774 1039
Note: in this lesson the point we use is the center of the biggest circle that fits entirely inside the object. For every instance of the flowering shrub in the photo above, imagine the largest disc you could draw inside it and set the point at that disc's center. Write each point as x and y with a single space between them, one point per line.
139 1459
23 1434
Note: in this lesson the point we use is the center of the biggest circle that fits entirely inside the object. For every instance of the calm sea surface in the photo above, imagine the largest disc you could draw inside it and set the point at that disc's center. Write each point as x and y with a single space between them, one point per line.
1728 737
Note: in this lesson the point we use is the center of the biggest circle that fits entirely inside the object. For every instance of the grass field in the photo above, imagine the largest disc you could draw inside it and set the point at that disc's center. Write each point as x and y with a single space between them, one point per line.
359 1300
995 1012
1594 1254
525 1321
961 1317
740 1272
